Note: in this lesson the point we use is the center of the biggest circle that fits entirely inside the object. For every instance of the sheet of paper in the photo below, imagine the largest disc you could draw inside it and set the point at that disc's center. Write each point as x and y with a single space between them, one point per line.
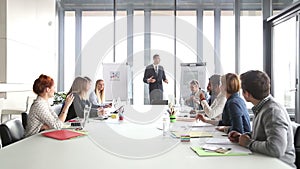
220 141
193 134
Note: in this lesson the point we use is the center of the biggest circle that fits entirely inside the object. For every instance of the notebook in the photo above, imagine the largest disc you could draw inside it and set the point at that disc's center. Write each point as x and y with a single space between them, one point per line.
193 134
62 134
201 152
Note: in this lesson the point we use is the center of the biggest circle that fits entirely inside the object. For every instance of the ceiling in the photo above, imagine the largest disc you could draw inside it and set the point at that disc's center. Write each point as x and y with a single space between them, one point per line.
167 4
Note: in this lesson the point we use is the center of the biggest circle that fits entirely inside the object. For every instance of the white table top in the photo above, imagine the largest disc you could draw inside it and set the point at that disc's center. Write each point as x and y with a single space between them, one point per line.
111 144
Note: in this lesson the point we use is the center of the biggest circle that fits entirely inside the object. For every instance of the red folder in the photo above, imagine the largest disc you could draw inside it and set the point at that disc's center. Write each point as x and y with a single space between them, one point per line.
62 134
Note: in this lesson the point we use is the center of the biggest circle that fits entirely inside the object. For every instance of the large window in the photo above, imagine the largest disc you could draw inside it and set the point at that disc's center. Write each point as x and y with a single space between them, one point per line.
69 52
138 57
153 25
208 40
94 22
251 51
186 32
162 43
227 42
284 62
121 37
186 42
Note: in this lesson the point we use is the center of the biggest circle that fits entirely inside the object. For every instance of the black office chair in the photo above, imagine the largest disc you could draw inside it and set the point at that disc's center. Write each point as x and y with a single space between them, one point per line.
297 146
24 119
11 131
159 102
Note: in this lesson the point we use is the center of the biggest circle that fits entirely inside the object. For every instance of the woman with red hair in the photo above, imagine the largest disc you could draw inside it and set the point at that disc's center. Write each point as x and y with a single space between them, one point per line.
41 116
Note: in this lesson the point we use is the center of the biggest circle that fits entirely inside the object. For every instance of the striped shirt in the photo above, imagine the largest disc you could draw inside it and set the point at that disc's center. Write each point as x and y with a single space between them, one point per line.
40 113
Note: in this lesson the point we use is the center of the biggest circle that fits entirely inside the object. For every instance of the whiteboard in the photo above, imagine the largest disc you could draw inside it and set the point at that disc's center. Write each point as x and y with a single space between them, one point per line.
116 80
190 71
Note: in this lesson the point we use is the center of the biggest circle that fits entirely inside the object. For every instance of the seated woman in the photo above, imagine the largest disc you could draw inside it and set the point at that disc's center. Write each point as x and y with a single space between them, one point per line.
235 115
41 116
80 89
215 110
97 95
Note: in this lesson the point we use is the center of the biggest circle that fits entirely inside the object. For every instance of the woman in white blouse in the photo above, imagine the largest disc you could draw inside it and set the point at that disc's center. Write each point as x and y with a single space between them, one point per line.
41 116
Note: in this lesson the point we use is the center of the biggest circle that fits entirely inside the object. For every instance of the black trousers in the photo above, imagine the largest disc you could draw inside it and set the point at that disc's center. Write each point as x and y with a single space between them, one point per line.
155 94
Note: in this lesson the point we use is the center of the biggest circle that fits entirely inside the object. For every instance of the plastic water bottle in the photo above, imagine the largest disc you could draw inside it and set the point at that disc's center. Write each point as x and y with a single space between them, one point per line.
166 123
86 113
181 103
119 102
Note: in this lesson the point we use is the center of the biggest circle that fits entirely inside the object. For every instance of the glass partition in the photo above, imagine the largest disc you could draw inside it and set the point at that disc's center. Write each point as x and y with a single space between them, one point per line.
284 63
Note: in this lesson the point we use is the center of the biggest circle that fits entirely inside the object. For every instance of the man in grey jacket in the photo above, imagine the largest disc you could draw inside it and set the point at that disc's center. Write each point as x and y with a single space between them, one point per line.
272 132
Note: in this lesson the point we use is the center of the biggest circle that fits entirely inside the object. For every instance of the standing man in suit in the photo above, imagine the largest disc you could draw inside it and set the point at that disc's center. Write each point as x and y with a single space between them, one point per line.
154 75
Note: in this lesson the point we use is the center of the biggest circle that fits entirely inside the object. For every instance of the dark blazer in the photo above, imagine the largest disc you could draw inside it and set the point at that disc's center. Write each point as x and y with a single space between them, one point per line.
149 71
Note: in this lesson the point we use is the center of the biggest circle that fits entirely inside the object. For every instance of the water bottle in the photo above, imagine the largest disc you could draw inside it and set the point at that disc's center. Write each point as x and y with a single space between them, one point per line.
166 123
128 101
86 113
181 103
119 102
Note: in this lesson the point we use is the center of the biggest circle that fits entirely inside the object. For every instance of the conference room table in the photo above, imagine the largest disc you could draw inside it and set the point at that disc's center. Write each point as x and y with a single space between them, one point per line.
130 143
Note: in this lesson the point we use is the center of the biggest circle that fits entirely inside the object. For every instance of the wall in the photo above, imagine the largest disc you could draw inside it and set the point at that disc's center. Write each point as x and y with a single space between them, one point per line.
2 40
31 40
29 43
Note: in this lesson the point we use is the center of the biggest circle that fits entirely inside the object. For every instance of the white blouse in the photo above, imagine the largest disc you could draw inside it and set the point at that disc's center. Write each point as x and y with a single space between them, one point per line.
41 113
216 109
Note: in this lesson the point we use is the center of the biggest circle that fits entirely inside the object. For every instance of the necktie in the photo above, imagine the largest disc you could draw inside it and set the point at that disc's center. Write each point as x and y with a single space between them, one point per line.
156 69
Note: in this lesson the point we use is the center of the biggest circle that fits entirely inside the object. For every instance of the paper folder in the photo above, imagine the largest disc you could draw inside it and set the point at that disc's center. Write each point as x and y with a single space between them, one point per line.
62 134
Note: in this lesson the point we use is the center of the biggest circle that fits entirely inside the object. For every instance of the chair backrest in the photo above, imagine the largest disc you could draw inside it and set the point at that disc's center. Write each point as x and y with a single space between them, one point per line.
11 131
159 102
297 146
29 101
24 119
1 107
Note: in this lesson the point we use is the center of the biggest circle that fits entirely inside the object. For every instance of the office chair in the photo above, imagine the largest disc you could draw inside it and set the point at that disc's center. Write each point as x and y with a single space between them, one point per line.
297 146
159 102
11 131
24 119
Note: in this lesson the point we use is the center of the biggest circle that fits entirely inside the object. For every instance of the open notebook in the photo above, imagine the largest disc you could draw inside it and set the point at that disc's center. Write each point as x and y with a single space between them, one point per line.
192 134
62 134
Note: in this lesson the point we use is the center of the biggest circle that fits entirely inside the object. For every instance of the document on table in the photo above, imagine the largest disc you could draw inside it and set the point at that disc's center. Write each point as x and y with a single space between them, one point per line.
202 152
193 134
219 141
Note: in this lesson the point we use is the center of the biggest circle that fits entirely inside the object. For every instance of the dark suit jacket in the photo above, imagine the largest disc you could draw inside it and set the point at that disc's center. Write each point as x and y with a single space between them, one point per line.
149 71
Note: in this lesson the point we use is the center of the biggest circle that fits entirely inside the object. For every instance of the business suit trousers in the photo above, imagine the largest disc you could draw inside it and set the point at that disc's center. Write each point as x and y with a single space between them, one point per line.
156 94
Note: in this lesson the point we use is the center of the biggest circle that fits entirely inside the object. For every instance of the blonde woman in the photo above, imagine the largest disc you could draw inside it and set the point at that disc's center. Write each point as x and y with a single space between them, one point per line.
97 96
80 89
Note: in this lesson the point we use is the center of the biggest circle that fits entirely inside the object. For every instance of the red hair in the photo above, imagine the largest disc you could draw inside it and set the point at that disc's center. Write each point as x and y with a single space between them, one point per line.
41 83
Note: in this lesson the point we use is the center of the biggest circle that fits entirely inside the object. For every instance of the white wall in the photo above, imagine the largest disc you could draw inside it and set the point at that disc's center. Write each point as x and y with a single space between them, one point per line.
31 40
2 40
30 44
